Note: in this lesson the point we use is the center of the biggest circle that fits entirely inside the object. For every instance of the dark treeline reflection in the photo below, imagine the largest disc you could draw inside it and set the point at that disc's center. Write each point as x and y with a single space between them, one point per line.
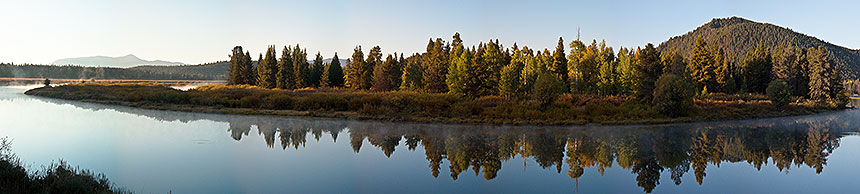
646 151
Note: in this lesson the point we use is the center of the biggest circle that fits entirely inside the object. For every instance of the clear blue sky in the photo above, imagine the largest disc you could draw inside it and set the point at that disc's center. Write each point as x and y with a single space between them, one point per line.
198 31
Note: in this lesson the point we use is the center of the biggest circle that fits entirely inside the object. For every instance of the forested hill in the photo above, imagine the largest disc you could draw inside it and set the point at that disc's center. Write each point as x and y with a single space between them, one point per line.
737 35
216 70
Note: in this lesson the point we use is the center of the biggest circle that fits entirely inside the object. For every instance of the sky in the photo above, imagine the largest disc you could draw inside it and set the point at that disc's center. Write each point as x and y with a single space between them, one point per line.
200 31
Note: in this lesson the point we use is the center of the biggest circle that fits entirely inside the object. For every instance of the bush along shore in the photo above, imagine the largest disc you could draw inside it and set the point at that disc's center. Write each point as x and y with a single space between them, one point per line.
550 109
57 178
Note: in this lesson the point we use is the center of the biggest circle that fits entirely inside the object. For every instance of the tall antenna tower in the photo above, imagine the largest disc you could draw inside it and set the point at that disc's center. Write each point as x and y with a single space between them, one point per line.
577 32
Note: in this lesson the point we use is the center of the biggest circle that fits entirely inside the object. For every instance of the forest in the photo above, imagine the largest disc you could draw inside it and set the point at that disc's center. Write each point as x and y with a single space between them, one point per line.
80 72
665 80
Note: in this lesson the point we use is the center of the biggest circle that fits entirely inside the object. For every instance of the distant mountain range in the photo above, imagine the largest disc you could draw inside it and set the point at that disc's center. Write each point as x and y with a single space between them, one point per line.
120 62
737 35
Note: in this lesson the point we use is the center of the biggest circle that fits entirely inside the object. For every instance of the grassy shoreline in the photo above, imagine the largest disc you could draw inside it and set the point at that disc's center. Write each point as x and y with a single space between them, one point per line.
415 106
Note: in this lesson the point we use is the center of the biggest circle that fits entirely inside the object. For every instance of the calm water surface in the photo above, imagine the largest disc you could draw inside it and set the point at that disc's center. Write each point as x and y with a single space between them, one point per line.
149 151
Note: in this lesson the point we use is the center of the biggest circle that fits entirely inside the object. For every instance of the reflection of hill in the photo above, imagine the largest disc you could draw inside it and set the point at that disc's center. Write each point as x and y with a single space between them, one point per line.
644 150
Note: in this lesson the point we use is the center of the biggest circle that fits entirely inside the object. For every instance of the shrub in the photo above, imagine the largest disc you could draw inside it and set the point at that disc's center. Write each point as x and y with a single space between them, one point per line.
778 93
278 101
672 95
322 102
250 102
546 89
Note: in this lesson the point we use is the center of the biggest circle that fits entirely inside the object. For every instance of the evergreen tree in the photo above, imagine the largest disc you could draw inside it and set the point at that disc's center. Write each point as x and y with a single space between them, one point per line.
456 77
757 69
317 70
625 71
249 74
333 73
386 76
824 80
267 69
703 65
374 58
510 80
435 66
354 69
286 76
235 67
491 60
606 70
559 64
300 67
412 73
647 69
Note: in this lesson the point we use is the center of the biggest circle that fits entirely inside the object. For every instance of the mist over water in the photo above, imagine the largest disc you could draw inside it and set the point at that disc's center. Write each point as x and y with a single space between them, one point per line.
151 151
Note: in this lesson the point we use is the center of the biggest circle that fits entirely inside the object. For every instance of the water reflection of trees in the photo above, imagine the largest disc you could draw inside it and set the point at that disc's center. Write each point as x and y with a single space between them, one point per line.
646 151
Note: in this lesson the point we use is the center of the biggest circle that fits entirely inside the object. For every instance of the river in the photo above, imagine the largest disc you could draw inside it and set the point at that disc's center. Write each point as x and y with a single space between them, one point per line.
152 151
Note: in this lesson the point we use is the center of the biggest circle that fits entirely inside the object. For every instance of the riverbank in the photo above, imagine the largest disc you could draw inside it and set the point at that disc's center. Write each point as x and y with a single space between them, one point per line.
416 106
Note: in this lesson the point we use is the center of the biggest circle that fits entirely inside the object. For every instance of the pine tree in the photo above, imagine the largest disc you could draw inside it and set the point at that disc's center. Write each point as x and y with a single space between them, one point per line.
435 66
625 71
386 76
286 77
457 79
606 70
249 74
333 73
510 80
267 69
412 73
757 69
559 64
316 70
702 66
235 67
354 69
647 70
821 85
300 67
374 58
492 60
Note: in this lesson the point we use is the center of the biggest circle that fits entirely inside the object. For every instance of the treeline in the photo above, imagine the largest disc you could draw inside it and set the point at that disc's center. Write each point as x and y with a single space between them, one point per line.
664 79
214 70
292 70
80 72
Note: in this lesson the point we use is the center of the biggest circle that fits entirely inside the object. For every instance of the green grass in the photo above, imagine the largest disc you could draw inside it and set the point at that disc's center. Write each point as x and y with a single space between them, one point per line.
416 106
